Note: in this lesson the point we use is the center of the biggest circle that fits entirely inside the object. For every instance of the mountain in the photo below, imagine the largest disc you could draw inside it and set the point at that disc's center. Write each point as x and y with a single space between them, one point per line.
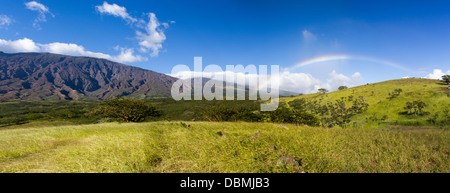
45 76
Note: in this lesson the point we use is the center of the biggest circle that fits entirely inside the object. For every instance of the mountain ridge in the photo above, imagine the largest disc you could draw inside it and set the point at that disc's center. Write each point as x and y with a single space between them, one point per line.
47 76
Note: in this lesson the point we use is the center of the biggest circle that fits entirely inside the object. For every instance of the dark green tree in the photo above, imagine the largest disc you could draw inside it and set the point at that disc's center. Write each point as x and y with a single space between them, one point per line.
446 79
395 93
342 87
322 90
415 107
126 109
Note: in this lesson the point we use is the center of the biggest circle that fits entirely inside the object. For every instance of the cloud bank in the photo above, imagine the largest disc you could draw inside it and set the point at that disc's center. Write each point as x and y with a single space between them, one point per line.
437 74
294 82
28 45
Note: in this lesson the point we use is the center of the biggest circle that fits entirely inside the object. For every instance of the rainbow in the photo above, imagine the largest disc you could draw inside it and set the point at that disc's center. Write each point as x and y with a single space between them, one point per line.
339 58
347 57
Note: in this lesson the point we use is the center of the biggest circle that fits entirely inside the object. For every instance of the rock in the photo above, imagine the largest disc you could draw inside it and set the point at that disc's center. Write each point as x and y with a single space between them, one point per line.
185 125
295 162
220 133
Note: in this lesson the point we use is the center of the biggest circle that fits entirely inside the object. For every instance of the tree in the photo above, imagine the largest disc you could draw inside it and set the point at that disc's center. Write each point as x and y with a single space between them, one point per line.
322 90
416 107
395 93
342 87
446 79
126 109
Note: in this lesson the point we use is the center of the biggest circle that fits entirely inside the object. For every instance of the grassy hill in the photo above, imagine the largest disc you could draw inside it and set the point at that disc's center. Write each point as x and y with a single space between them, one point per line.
384 111
221 147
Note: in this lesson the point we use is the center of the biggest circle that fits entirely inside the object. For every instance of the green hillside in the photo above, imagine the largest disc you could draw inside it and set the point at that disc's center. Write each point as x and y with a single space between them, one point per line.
384 111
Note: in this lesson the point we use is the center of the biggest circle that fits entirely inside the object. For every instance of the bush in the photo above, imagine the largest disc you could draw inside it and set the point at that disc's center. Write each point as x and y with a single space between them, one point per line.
125 109
395 93
34 116
227 113
286 114
342 87
338 112
415 107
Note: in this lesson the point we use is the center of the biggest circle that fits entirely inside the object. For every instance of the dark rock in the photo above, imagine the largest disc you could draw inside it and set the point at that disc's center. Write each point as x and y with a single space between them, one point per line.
221 134
185 125
295 162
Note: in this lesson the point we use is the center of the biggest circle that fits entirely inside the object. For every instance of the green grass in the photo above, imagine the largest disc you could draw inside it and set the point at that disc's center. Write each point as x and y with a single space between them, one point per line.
383 112
47 136
171 147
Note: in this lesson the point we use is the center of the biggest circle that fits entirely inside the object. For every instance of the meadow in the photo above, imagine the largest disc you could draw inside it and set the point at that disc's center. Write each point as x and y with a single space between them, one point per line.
221 147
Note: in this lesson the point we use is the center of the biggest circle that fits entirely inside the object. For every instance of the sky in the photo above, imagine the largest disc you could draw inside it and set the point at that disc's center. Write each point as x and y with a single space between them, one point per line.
317 44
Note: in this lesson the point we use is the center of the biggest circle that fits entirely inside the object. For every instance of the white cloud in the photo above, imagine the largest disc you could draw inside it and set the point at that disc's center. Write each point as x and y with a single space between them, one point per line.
21 45
308 36
150 34
337 80
27 45
127 55
437 74
115 10
153 37
42 9
295 82
5 20
300 82
70 49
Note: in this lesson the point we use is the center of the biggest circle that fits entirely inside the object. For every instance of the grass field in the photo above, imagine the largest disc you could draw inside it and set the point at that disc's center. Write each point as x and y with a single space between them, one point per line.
62 136
221 147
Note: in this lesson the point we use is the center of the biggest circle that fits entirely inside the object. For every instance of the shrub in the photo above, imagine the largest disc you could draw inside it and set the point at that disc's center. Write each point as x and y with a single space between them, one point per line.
415 107
342 87
286 114
338 112
322 90
34 116
446 79
230 113
395 93
126 109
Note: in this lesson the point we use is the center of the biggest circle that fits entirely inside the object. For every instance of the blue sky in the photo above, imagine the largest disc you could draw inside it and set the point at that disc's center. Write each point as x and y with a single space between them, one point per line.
410 34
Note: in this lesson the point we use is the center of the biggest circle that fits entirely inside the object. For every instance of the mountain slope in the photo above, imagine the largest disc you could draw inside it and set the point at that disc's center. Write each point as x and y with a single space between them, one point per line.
45 76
